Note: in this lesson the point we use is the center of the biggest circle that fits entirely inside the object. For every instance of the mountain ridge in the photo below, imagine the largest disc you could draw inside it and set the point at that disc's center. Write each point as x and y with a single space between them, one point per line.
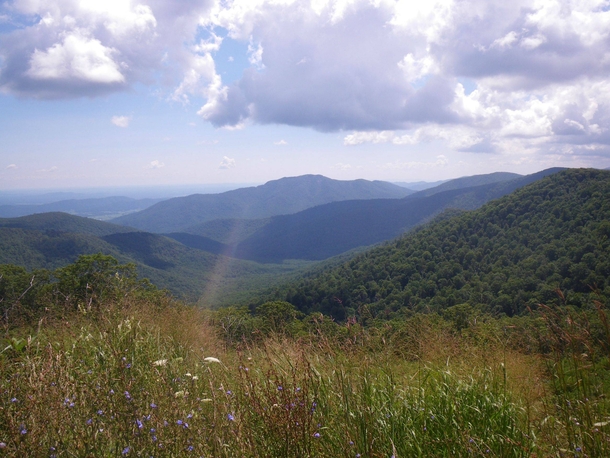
283 196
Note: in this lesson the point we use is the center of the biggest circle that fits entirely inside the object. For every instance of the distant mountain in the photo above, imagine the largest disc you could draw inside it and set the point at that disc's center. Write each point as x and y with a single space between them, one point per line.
101 208
227 231
328 230
419 185
52 240
546 243
278 197
471 181
62 222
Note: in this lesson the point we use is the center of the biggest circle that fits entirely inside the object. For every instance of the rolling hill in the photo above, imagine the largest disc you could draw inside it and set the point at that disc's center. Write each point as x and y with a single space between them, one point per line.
278 197
52 240
512 253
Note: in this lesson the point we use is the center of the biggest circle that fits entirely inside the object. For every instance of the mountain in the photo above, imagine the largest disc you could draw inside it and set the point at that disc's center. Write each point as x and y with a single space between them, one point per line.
52 240
514 252
419 185
470 182
278 197
328 230
101 208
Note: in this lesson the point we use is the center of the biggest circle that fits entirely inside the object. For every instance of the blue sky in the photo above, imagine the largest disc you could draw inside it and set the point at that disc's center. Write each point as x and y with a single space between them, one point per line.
157 92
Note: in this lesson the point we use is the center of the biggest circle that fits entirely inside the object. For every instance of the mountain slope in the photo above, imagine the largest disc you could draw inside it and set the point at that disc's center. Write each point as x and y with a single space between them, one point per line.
52 240
63 222
514 252
284 196
328 230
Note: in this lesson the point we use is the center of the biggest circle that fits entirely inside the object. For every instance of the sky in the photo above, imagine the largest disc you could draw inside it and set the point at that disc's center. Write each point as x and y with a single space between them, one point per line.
164 92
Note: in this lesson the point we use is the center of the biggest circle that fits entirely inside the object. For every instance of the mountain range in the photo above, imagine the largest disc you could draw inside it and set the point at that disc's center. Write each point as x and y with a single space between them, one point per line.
219 267
278 197
546 243
328 230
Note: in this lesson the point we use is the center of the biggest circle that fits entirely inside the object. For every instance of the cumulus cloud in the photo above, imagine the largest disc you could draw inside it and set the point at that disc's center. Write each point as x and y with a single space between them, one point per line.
226 163
121 121
73 48
383 71
155 165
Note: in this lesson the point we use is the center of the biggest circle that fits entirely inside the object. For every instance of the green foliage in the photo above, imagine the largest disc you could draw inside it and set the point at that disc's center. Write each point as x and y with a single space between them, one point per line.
511 254
94 279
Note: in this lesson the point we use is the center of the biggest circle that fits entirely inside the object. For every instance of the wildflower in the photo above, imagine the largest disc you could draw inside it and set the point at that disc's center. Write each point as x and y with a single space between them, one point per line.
100 412
231 417
179 394
139 423
229 392
111 391
190 415
23 430
358 455
13 400
190 448
179 422
316 435
126 450
153 405
127 395
89 421
153 430
128 366
211 359
2 444
160 362
280 388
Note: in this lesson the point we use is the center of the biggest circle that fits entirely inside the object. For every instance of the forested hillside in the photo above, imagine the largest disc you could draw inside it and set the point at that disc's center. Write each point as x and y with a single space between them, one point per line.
547 239
54 240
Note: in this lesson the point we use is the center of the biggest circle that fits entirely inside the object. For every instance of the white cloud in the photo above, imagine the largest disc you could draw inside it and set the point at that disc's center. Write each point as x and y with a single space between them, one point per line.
121 121
281 143
76 58
358 138
382 71
51 169
73 48
227 163
155 165
11 166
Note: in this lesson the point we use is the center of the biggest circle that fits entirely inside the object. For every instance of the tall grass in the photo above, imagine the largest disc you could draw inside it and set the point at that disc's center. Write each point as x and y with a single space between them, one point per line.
138 381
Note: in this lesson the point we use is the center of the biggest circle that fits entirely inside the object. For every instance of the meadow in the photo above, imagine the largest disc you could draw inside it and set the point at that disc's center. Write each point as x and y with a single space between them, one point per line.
148 376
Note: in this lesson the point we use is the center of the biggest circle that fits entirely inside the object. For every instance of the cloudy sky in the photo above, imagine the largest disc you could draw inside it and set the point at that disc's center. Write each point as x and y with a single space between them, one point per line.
151 92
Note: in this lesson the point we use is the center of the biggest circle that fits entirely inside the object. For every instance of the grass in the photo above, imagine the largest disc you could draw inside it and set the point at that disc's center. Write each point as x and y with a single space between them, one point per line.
138 381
